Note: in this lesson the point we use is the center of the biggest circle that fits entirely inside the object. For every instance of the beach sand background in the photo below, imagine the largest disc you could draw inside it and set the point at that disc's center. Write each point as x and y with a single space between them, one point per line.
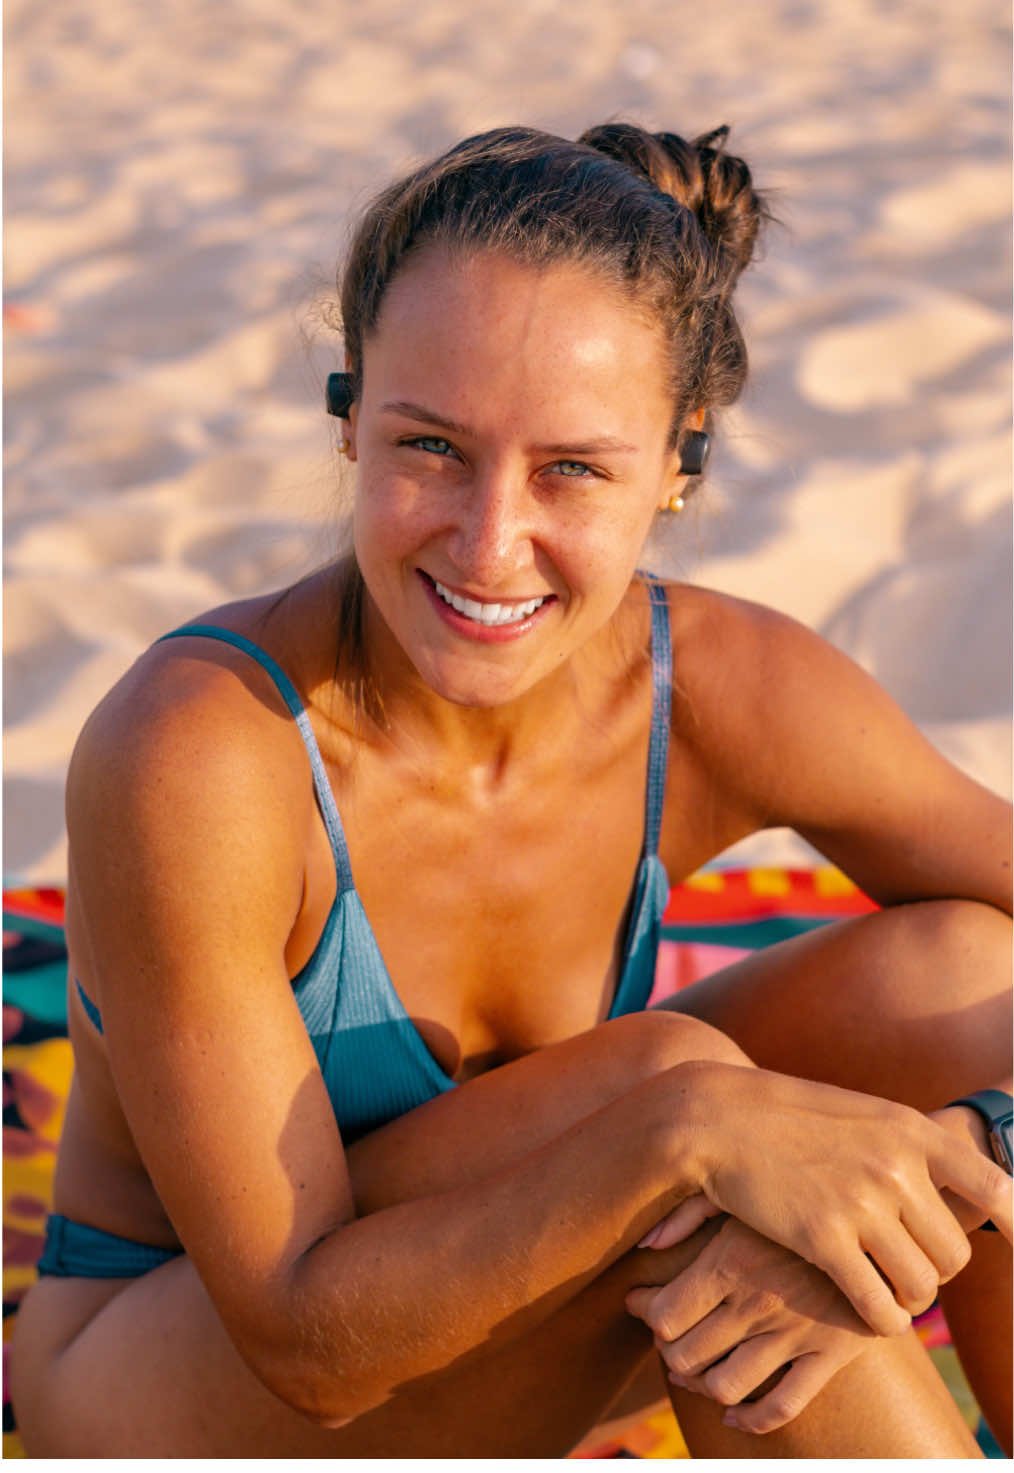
179 182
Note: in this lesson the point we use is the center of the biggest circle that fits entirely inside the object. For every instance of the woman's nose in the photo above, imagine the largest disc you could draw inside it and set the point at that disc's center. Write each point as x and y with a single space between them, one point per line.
493 536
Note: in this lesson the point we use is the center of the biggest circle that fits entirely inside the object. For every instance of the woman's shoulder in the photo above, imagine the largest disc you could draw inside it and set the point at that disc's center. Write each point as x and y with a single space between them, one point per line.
730 655
195 725
756 688
718 637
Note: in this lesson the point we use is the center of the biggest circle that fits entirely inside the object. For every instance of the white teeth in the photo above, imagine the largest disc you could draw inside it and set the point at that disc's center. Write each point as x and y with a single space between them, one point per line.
488 613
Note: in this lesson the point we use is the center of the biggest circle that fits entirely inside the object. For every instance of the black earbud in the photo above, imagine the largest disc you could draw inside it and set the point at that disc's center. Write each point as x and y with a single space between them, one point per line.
694 452
339 394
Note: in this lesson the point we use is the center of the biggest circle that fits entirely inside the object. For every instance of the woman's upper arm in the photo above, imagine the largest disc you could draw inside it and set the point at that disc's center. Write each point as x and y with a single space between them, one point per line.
811 742
185 826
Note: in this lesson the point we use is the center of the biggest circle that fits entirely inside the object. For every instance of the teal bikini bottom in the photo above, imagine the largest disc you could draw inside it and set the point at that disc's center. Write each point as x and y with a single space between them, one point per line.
76 1251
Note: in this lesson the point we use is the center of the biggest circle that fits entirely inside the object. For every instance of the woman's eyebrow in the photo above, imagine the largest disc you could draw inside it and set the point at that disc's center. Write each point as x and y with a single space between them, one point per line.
600 446
423 415
428 416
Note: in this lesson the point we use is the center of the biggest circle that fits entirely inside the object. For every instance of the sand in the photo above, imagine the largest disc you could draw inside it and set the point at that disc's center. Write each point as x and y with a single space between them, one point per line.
179 183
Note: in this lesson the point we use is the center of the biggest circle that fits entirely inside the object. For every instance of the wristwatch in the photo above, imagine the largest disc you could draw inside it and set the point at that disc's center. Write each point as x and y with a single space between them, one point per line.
997 1109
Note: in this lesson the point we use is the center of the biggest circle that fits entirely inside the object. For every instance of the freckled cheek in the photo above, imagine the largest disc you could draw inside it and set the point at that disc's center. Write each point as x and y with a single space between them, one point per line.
391 519
604 550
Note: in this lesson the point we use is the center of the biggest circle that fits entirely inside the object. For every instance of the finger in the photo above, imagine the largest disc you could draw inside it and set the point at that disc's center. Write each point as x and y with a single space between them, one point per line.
707 1342
801 1383
681 1223
846 1264
903 1263
940 1236
968 1173
676 1307
749 1366
966 1216
639 1303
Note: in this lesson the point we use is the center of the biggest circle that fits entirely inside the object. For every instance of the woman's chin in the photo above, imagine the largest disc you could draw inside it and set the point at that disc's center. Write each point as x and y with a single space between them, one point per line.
480 693
483 684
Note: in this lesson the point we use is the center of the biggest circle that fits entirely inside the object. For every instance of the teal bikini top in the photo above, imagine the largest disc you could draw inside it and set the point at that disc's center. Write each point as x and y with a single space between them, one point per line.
373 1058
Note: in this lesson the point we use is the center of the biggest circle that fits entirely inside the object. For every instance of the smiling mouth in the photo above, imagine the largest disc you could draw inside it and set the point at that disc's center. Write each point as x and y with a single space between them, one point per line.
489 614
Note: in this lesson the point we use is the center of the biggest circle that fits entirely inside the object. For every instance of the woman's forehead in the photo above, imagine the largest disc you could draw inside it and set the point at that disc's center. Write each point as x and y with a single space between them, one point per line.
564 329
480 279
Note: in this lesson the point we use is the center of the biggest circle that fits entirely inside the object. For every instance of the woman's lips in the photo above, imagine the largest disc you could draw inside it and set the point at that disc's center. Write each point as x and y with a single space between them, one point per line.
485 619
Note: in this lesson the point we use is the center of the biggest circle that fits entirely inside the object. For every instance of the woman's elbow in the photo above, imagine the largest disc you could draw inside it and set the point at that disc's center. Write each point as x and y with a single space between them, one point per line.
316 1381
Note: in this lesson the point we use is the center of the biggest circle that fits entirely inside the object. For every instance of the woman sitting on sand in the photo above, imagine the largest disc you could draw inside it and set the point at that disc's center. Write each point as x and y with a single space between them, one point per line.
372 1148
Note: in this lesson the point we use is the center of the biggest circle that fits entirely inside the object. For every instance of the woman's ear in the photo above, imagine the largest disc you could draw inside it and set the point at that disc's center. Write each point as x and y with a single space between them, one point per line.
686 461
673 484
351 419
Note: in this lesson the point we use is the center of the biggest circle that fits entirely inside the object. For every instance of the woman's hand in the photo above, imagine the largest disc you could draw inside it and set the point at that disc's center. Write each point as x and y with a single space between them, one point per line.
850 1183
745 1310
967 1125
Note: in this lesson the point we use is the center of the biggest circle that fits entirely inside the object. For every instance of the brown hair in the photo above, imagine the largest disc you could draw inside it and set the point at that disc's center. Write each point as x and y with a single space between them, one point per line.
673 223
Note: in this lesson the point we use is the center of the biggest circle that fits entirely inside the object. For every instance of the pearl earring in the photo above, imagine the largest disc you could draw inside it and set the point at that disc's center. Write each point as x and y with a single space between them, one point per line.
676 503
344 446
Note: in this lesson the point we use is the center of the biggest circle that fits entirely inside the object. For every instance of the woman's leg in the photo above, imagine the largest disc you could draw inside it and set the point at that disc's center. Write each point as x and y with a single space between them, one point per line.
154 1375
912 1004
888 1403
147 1370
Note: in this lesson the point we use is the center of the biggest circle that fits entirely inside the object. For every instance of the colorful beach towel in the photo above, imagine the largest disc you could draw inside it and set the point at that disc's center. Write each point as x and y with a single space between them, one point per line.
711 920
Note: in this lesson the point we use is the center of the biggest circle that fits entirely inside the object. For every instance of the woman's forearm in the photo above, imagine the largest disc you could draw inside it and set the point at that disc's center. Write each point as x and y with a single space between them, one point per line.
405 1292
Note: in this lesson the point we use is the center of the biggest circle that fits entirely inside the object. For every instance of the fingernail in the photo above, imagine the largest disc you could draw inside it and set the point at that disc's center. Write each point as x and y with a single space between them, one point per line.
648 1238
730 1421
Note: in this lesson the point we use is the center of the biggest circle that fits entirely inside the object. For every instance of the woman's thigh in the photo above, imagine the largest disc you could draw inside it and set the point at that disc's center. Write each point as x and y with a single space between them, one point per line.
147 1370
911 1003
154 1374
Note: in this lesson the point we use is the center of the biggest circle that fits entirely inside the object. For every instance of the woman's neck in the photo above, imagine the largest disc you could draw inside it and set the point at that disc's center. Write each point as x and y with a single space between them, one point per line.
383 700
486 743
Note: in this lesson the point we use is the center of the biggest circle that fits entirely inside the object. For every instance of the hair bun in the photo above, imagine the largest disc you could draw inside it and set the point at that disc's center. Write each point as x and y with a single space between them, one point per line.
716 186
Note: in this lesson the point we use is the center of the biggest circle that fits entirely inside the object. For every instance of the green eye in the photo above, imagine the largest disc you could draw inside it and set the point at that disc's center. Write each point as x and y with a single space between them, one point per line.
432 444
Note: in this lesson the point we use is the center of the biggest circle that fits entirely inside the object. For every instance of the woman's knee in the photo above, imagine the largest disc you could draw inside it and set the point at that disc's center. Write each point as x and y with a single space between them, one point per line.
961 938
975 941
957 1007
912 1002
659 1039
943 959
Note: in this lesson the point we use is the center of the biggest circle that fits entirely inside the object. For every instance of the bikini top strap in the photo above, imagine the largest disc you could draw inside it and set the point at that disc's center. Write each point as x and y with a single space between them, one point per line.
661 681
325 798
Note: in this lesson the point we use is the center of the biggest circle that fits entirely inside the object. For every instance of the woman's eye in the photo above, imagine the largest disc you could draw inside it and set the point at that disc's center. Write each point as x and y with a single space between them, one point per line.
573 468
430 443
